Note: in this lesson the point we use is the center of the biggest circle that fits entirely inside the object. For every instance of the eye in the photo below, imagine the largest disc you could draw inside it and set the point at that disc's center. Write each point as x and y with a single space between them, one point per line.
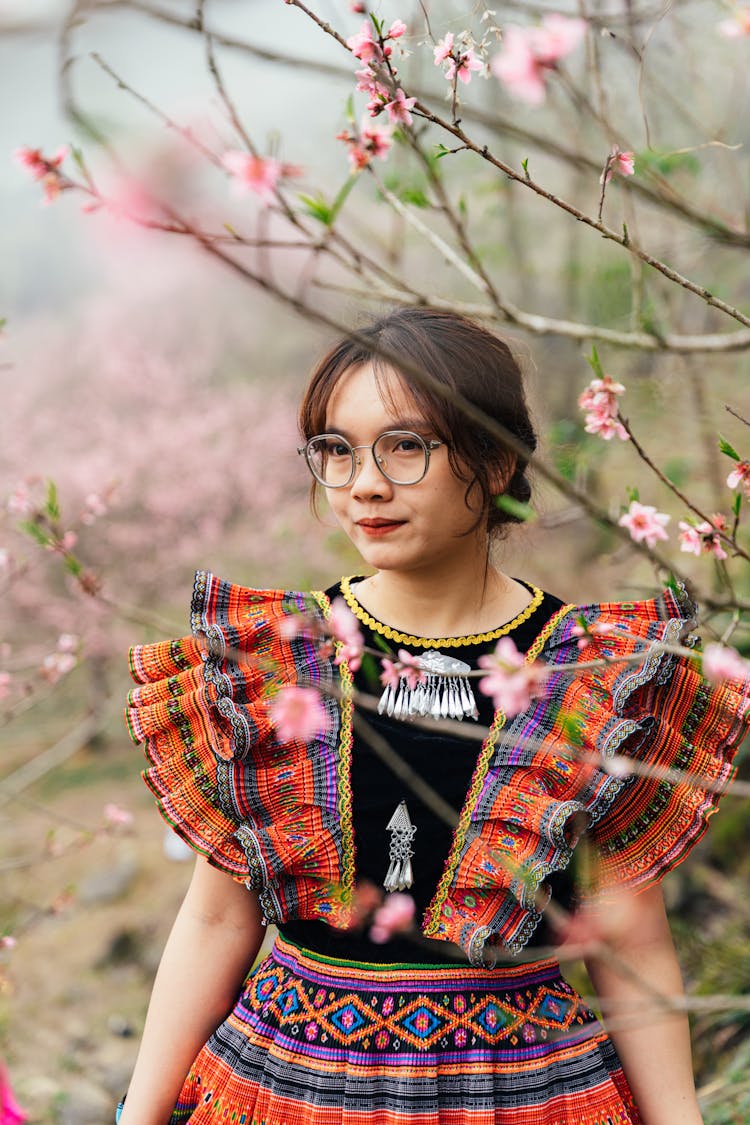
406 444
334 448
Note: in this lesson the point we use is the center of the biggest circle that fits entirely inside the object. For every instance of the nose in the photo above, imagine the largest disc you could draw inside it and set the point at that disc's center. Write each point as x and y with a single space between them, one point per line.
368 479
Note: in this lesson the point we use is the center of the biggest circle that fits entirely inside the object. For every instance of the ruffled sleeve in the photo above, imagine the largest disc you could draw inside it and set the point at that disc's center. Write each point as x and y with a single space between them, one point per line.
634 753
669 735
265 811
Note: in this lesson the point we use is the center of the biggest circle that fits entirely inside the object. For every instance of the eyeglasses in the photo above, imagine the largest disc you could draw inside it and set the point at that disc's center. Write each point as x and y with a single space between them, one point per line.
402 457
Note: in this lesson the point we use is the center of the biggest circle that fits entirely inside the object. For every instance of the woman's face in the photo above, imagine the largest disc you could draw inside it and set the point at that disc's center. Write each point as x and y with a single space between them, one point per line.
397 527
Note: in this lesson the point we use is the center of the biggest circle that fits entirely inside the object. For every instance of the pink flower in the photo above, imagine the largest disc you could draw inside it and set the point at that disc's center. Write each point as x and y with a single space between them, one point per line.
702 538
10 1111
68 642
467 62
529 53
644 523
6 681
395 916
372 141
512 682
257 173
599 401
7 941
398 109
298 713
344 628
722 663
5 558
617 161
738 25
444 49
363 46
357 7
740 477
396 30
117 816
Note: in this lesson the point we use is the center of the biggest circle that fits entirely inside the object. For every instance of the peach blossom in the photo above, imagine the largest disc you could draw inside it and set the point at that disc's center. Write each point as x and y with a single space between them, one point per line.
644 523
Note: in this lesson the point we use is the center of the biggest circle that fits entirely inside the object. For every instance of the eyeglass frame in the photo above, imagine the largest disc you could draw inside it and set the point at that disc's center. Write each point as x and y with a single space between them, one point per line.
427 446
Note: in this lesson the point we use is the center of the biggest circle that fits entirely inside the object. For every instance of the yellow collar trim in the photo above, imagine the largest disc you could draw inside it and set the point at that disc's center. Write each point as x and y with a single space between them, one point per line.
437 642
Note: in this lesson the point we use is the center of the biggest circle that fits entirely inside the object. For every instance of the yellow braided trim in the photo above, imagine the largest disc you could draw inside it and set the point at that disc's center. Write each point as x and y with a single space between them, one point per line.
344 769
435 908
546 632
437 642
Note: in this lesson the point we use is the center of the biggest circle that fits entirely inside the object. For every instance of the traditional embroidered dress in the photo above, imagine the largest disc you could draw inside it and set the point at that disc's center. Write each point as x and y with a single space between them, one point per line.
333 1030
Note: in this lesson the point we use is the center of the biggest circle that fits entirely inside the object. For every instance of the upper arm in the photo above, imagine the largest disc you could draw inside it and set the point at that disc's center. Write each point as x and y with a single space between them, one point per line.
215 898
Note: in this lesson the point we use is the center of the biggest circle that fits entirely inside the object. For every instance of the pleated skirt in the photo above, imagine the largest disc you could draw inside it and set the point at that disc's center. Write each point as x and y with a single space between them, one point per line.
315 1040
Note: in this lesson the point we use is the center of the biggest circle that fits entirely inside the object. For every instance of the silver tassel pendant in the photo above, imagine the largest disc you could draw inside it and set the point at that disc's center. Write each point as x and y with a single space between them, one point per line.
400 875
445 693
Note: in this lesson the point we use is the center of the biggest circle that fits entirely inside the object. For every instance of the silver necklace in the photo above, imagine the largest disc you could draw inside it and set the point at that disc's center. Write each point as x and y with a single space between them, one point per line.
445 694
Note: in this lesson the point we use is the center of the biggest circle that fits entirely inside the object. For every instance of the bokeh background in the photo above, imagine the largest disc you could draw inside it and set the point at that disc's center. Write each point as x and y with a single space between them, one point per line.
158 391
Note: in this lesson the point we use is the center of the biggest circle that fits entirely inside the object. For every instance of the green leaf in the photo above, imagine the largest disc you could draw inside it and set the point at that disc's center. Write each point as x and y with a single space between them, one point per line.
3 322
633 494
441 150
77 155
463 208
35 532
73 566
371 669
377 24
729 449
736 504
317 207
52 507
665 163
595 363
340 199
516 508
525 166
349 109
381 643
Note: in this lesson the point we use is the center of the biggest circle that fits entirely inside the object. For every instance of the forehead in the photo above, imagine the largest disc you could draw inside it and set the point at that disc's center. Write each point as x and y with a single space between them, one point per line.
363 394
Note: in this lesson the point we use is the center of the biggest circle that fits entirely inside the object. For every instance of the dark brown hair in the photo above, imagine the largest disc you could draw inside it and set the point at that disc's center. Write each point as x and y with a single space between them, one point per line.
461 355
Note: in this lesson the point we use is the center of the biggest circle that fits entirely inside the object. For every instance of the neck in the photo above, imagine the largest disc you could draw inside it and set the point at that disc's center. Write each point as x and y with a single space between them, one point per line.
476 600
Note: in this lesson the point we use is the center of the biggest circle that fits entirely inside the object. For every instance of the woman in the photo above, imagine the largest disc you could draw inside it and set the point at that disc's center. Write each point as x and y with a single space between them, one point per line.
465 1024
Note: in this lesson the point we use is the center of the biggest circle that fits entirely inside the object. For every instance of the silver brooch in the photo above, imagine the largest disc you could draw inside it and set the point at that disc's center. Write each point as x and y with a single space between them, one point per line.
445 693
402 831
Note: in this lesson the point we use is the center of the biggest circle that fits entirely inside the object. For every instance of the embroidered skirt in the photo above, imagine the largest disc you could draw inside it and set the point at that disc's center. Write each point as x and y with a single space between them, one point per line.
314 1040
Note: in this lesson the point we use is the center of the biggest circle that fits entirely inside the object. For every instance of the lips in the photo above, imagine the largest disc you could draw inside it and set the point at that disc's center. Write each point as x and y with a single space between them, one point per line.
379 526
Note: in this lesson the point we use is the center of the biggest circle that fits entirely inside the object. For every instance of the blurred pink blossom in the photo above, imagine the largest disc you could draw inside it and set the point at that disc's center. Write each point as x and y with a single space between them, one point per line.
10 1111
45 169
720 663
57 665
702 538
529 53
298 713
587 634
6 681
5 558
463 66
19 503
345 629
599 401
117 816
618 766
396 30
740 477
410 668
68 642
371 141
398 109
258 174
644 523
7 941
395 916
390 675
511 681
737 25
94 507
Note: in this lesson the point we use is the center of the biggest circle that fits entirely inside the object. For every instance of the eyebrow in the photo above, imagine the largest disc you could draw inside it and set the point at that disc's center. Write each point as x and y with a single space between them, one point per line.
416 425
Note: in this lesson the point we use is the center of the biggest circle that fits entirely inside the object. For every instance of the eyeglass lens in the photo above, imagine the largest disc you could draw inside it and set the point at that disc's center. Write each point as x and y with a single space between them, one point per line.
401 456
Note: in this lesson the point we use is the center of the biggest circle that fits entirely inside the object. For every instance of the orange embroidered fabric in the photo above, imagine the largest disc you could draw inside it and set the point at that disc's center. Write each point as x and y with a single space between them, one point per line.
279 815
